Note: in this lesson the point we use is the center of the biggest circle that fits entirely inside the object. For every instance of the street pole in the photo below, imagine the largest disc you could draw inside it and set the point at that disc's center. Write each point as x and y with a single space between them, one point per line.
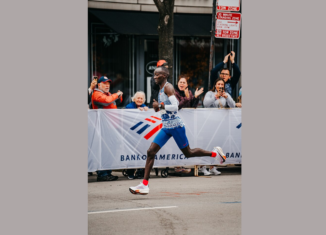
229 64
212 44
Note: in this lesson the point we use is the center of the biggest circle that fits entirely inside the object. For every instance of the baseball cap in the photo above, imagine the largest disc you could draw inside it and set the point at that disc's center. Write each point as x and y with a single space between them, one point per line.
161 63
104 79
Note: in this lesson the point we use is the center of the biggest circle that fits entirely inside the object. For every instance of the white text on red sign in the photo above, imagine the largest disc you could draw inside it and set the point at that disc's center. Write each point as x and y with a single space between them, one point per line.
227 25
228 5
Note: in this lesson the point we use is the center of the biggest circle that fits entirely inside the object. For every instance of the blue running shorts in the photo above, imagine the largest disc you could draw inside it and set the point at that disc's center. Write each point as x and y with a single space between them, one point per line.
179 135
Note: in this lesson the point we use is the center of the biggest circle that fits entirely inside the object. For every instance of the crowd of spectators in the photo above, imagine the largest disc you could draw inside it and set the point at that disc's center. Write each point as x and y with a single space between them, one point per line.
188 95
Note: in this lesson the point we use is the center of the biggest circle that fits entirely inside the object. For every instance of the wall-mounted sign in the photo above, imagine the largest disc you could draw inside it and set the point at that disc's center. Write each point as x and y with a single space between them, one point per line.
150 67
228 5
227 25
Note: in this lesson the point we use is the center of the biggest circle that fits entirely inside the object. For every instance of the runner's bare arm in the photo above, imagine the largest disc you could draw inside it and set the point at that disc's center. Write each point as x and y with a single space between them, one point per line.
155 105
169 91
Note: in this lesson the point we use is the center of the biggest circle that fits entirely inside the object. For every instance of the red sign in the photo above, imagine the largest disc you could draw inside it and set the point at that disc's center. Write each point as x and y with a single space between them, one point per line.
227 25
228 5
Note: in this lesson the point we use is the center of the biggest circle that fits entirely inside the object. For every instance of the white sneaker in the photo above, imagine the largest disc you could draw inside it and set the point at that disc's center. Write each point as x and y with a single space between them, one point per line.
203 169
214 171
219 152
139 189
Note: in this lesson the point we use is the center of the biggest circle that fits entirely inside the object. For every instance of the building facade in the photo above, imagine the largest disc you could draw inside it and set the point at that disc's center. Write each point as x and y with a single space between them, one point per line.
123 44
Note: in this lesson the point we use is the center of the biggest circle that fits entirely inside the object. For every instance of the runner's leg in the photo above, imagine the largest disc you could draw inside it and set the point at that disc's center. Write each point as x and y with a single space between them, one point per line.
161 138
153 149
159 141
197 152
179 135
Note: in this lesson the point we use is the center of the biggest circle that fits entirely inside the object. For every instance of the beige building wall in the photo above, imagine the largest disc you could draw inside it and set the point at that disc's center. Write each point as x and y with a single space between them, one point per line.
180 6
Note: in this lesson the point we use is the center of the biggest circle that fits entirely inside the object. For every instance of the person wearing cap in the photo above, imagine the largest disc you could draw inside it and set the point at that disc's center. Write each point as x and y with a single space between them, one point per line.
103 99
154 87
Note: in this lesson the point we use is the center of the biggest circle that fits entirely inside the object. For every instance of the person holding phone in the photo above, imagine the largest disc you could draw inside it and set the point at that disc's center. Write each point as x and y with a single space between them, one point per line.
225 73
91 89
217 97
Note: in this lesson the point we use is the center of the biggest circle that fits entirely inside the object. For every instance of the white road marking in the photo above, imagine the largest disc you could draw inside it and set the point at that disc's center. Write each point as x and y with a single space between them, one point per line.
136 209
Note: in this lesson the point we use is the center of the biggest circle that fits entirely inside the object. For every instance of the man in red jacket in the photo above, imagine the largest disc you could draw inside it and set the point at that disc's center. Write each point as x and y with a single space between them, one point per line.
103 99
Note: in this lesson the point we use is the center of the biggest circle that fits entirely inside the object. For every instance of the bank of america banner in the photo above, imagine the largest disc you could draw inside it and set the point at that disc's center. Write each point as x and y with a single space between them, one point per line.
119 138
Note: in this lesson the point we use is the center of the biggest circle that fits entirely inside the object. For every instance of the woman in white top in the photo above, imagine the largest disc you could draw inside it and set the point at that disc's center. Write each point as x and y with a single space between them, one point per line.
217 98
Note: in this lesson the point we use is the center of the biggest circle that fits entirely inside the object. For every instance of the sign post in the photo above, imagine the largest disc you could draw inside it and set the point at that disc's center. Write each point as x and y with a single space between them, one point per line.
212 45
227 26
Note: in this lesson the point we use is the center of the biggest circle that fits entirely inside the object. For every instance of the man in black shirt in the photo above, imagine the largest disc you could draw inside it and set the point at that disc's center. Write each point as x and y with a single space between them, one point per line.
154 87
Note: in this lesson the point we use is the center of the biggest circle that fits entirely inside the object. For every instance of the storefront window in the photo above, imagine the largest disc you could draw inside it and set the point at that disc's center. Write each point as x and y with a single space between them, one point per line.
150 61
111 53
192 61
130 66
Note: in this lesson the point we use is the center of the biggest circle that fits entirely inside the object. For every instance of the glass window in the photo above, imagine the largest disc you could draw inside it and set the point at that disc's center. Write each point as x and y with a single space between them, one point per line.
150 61
110 55
192 60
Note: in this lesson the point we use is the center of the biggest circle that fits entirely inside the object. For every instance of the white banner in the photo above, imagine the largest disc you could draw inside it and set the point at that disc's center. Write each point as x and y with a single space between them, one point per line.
119 138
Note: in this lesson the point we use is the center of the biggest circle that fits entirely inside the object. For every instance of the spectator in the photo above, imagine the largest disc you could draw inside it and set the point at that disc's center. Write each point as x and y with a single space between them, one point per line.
138 101
239 100
184 96
225 73
154 87
103 99
216 98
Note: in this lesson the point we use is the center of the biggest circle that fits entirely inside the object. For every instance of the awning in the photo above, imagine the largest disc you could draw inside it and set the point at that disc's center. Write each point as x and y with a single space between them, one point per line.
145 23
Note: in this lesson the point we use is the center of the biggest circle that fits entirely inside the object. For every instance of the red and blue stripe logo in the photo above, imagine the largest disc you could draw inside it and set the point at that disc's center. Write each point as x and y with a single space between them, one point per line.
144 127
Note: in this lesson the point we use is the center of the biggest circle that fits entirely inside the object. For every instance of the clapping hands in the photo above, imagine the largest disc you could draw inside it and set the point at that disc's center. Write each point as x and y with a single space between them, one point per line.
199 92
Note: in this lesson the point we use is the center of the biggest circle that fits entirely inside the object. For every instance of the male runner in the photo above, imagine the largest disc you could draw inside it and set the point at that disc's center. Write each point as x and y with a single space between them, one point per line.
172 126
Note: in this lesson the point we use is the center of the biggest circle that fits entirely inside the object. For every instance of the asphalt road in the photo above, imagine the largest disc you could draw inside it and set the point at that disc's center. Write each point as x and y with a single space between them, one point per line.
175 205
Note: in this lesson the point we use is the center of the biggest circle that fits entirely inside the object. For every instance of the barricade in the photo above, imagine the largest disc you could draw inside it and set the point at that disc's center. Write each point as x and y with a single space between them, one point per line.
119 138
